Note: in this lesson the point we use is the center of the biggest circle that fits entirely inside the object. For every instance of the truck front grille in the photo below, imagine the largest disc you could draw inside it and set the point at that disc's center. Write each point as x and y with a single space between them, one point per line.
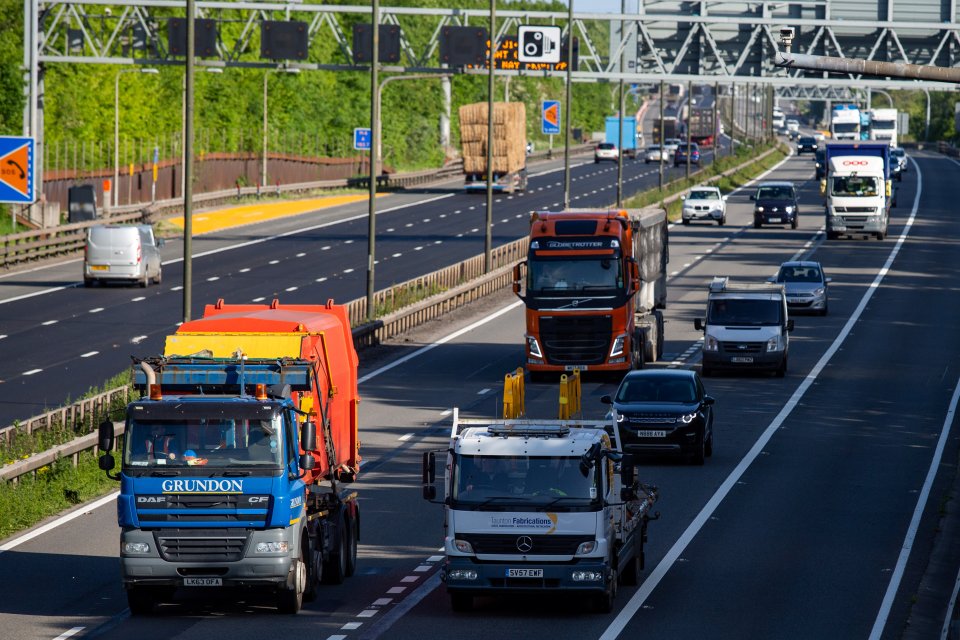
179 509
576 339
495 543
201 545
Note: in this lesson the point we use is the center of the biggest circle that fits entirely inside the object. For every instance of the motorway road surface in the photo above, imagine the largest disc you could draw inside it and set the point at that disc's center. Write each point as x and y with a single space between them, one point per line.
795 528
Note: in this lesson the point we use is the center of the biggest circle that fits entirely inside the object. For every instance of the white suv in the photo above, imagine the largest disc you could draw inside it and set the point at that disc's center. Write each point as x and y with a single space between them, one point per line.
704 203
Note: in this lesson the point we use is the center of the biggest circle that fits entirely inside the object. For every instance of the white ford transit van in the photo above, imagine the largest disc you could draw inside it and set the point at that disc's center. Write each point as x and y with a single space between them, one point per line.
122 253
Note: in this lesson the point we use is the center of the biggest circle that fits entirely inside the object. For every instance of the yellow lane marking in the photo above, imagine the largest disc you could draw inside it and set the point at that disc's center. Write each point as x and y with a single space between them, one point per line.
262 212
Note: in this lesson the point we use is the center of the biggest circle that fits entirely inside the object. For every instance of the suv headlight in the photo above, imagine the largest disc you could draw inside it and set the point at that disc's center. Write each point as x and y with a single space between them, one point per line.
759 209
773 344
788 209
687 418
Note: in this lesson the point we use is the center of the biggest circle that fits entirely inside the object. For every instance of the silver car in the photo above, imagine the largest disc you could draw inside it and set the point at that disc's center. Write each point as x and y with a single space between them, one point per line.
805 285
652 154
126 253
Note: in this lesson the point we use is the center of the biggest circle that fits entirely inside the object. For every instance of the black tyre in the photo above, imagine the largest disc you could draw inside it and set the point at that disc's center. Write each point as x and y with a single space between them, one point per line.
335 568
686 221
708 448
795 222
144 281
880 235
290 601
782 369
141 600
88 282
832 235
353 535
159 277
722 221
700 451
631 573
603 602
756 224
825 310
461 601
314 575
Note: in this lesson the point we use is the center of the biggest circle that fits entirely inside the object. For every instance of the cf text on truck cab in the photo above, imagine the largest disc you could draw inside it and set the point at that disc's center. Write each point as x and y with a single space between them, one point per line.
746 327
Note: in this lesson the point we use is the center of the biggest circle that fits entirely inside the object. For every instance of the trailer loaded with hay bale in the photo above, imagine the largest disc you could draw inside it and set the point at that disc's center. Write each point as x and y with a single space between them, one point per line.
509 146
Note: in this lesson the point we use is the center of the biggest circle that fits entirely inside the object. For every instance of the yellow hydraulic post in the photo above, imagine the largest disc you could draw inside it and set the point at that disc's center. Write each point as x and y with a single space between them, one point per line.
513 395
570 395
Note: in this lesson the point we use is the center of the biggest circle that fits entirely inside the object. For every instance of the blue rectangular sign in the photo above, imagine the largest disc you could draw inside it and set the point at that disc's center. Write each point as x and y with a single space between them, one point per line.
16 170
361 139
550 117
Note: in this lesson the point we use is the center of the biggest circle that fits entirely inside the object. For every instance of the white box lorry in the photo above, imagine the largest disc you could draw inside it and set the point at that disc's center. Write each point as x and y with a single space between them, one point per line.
534 506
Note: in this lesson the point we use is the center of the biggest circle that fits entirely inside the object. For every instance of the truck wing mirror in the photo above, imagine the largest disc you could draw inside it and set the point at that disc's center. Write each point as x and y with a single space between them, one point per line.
106 463
307 461
628 472
698 324
429 470
105 436
308 436
753 196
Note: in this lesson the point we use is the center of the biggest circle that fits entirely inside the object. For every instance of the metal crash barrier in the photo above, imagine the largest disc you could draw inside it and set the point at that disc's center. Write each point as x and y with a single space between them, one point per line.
570 395
513 395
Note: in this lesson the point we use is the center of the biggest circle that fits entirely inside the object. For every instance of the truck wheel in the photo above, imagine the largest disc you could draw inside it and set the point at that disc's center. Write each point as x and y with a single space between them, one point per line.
352 537
140 600
603 602
291 600
660 333
335 569
461 601
314 574
705 371
631 573
832 235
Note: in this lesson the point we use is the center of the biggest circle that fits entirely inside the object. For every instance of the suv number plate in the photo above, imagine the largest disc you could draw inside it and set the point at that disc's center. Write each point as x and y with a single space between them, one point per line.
741 359
203 582
651 434
524 573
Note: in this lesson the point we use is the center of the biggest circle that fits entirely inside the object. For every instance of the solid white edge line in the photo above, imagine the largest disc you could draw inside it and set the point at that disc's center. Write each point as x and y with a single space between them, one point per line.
945 631
59 521
70 633
626 614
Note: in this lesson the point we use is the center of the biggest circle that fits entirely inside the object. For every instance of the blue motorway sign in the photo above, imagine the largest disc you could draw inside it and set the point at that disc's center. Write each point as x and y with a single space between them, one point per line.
361 139
16 170
550 117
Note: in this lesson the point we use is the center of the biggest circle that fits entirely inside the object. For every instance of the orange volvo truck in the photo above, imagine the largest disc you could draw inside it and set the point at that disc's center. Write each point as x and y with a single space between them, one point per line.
594 283
236 461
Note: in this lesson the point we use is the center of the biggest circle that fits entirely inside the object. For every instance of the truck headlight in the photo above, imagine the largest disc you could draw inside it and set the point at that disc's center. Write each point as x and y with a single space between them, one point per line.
130 548
773 344
463 546
534 347
617 348
272 547
586 548
710 343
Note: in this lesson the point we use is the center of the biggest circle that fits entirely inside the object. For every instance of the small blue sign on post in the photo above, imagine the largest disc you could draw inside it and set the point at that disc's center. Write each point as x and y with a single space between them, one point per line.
550 119
361 139
16 170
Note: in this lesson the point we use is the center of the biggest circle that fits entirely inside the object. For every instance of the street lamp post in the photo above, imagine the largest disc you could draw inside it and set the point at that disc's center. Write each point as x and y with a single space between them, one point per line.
263 165
116 129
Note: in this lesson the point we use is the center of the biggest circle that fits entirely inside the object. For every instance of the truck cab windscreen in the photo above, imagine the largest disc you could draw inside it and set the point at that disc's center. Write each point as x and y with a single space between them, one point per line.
181 443
744 312
854 186
500 483
846 127
596 274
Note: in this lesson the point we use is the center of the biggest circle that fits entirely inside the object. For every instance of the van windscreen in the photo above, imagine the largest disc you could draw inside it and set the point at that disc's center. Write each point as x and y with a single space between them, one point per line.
744 312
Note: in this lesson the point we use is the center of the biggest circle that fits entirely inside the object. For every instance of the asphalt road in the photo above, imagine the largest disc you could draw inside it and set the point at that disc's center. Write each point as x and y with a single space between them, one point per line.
60 339
793 529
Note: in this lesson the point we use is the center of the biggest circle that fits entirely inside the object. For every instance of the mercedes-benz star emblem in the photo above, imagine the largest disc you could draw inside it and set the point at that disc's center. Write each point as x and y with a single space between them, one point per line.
524 544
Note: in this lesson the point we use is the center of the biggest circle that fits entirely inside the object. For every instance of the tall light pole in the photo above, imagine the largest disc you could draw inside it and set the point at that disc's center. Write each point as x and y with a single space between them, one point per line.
374 139
116 129
488 222
568 108
263 164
